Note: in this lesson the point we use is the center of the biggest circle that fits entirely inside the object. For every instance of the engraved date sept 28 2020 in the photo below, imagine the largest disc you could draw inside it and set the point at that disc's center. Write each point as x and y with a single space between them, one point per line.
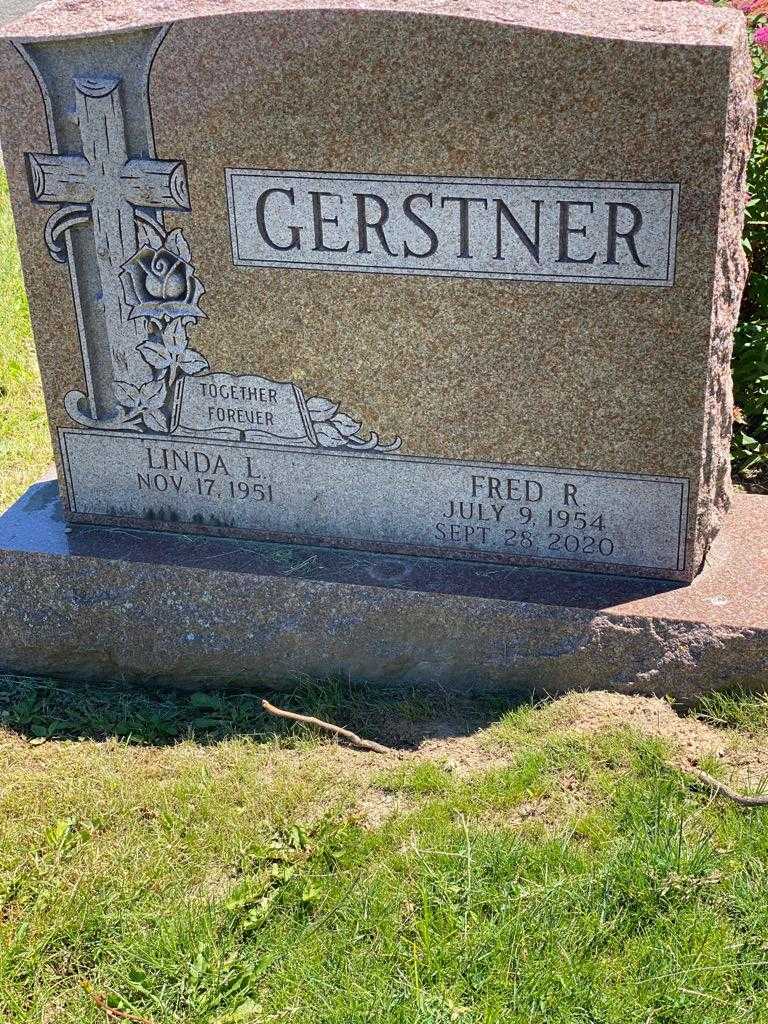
526 520
555 530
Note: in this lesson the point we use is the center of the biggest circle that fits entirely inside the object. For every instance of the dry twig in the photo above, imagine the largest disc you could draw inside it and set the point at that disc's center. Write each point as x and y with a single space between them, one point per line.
335 730
112 1012
720 789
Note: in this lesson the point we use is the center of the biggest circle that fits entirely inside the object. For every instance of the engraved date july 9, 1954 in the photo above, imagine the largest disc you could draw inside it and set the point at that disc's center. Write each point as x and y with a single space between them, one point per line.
518 508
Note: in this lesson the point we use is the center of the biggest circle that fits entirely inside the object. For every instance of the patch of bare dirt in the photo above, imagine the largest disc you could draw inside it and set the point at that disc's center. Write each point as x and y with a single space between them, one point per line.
462 754
451 741
457 733
689 738
462 741
596 711
375 806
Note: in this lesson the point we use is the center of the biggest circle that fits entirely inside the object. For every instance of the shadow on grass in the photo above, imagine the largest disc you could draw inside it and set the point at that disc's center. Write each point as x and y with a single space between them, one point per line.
41 709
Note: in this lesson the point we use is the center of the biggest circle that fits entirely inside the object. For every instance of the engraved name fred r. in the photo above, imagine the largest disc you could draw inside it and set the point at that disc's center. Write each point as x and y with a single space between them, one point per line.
523 514
604 232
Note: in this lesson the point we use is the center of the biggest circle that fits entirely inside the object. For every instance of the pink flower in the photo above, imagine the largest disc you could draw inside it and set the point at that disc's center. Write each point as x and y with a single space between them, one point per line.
761 36
750 8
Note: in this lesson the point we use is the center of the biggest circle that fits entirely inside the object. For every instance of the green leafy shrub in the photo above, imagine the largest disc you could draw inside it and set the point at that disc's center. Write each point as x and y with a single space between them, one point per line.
750 354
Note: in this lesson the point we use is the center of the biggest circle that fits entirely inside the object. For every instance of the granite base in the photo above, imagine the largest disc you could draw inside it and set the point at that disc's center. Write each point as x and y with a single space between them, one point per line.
96 603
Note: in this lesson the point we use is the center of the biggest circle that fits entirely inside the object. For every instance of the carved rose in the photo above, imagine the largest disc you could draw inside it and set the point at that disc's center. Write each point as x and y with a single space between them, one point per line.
161 283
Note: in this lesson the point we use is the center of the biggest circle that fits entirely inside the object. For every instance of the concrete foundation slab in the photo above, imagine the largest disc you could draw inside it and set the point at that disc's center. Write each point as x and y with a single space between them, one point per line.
104 603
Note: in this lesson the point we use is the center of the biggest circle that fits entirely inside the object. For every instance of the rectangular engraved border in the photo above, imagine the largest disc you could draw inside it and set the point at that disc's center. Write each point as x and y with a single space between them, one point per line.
574 565
410 271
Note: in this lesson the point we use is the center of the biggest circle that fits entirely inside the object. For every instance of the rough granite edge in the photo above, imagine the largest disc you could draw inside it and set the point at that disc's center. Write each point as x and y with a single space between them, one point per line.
643 21
729 278
115 610
96 621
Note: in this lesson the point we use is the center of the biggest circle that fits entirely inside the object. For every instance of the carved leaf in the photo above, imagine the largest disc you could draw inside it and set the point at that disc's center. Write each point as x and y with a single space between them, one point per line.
192 362
321 409
145 237
156 355
176 242
152 394
345 425
142 234
155 420
328 436
175 333
126 394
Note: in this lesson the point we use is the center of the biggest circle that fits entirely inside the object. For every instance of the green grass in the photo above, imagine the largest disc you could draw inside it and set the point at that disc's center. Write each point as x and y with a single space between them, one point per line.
191 860
748 712
25 448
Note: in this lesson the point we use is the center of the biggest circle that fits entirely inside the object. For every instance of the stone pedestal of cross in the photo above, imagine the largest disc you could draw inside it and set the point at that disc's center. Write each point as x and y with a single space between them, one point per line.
104 188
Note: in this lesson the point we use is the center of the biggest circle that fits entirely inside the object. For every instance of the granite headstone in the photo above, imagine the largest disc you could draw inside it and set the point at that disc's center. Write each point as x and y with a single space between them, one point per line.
449 279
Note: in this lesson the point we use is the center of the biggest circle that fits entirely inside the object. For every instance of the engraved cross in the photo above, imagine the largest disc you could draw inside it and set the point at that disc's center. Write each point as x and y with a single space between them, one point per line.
105 187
